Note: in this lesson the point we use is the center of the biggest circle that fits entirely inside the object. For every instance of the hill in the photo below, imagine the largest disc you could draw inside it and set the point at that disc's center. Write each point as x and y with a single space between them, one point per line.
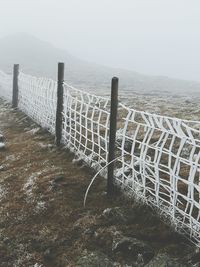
40 58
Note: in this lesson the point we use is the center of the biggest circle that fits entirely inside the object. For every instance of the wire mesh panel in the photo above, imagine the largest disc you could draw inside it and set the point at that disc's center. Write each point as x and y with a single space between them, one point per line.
161 165
5 86
159 157
38 98
85 126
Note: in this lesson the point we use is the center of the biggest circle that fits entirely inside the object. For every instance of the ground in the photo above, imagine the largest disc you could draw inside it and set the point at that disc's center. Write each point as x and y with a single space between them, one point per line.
42 219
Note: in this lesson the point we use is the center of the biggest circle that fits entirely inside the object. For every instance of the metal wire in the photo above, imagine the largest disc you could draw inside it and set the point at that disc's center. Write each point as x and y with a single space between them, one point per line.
158 156
6 86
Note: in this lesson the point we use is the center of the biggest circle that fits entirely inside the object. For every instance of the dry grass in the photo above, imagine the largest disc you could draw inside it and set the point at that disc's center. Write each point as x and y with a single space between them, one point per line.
42 219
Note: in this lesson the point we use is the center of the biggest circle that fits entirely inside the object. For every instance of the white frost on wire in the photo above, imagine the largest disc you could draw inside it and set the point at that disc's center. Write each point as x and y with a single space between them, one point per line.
86 125
5 86
163 164
159 157
37 98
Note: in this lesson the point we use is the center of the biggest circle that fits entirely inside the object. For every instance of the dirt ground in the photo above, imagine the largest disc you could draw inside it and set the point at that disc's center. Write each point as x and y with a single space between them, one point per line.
42 219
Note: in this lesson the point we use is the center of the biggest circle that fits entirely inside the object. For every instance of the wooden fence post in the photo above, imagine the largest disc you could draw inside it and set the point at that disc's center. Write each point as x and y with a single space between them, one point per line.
112 135
59 110
15 86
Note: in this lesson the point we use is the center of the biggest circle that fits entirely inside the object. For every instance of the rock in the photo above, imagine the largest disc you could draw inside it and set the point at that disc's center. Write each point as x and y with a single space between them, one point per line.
48 254
2 146
33 131
3 167
135 250
84 222
2 139
164 260
95 259
89 232
58 179
78 162
45 146
118 215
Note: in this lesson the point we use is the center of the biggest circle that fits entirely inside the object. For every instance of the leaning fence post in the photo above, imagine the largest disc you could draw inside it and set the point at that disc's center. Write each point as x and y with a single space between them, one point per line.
112 134
15 86
59 110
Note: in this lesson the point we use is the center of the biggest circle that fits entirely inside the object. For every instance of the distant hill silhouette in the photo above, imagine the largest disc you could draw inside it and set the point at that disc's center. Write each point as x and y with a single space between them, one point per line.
40 58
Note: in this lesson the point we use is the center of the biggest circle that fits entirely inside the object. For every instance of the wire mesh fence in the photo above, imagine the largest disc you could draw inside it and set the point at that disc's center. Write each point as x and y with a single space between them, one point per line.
161 165
37 98
6 86
158 157
86 125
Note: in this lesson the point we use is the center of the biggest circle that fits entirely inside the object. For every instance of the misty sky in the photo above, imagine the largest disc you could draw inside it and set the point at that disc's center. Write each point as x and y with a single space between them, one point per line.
160 37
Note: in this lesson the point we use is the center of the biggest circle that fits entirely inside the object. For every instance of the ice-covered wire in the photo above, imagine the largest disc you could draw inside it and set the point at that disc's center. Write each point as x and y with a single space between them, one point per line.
158 157
95 176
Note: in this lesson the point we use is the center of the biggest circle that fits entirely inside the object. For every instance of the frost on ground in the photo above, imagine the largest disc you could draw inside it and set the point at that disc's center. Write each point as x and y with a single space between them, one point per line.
3 192
30 184
42 219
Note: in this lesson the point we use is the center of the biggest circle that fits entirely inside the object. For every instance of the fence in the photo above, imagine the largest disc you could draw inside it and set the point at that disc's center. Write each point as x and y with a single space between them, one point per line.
158 157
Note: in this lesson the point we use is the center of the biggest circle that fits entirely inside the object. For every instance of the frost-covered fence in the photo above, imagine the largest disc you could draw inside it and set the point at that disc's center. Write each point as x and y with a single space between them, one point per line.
161 166
37 98
86 125
6 86
159 160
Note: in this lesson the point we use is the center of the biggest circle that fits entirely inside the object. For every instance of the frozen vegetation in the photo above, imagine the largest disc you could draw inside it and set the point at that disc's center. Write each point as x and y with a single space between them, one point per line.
42 219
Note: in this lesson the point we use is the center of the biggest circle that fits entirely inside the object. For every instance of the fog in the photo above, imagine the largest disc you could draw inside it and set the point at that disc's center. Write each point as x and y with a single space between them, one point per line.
148 36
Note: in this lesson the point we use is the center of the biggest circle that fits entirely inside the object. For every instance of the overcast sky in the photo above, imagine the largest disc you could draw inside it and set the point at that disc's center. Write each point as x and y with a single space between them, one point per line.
160 37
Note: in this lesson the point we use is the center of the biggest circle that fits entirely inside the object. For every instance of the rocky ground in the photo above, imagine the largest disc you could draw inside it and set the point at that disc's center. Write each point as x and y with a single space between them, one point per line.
42 219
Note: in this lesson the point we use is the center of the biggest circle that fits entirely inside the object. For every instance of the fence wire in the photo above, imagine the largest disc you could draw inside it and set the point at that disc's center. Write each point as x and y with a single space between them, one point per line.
162 165
159 157
37 98
86 125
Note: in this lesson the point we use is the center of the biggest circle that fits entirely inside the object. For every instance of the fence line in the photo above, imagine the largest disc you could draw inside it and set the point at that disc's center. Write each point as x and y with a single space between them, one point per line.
6 86
159 156
37 98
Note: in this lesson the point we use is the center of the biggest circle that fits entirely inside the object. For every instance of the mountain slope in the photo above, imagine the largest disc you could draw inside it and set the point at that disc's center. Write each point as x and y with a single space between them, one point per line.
40 58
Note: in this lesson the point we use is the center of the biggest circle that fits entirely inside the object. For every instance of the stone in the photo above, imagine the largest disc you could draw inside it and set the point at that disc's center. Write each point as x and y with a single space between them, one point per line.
48 254
2 139
58 179
2 146
135 250
118 215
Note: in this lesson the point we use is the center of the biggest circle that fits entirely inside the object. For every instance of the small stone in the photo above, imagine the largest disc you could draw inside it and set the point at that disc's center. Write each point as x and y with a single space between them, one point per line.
2 146
89 232
118 215
2 139
48 255
138 250
58 179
